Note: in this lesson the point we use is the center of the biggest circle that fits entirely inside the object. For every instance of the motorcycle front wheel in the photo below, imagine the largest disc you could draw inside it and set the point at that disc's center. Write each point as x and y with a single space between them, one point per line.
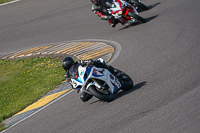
127 82
136 17
139 5
100 95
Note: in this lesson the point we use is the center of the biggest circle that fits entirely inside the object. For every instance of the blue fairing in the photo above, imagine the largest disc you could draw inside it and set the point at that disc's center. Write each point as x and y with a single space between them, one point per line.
88 69
97 75
115 89
85 76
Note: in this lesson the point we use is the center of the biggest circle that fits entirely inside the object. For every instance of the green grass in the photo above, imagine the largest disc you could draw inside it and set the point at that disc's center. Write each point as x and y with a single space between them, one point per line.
24 81
4 1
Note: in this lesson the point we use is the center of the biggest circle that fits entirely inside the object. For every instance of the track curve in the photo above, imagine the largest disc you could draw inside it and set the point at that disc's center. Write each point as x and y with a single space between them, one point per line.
162 57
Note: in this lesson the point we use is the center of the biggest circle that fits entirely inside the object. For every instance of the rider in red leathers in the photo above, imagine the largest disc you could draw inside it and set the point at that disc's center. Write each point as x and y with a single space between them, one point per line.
100 7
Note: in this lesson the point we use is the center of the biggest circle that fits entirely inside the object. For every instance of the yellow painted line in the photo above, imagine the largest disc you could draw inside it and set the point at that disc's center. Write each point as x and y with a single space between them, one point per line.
80 47
43 101
60 51
96 53
76 47
32 50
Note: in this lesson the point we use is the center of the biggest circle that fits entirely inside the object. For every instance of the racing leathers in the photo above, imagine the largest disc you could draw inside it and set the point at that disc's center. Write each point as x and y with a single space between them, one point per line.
100 8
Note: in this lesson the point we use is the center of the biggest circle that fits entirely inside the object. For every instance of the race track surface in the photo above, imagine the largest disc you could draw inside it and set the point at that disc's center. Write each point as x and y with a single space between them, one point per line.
162 57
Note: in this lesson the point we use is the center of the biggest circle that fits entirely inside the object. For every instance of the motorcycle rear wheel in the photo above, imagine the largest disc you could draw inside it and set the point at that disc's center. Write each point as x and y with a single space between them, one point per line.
136 17
100 95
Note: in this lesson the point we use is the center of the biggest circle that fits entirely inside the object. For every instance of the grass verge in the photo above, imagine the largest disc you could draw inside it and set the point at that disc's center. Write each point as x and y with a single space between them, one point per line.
4 1
24 81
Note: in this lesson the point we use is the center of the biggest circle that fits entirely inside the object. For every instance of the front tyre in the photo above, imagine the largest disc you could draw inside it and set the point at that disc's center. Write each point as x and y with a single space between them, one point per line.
136 17
138 4
100 95
127 82
85 96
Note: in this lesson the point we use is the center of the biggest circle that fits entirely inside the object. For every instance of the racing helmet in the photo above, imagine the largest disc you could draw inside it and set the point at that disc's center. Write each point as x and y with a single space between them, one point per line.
67 63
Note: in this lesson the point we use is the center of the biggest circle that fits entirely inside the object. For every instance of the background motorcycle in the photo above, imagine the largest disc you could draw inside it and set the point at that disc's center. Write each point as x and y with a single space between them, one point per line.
124 12
98 82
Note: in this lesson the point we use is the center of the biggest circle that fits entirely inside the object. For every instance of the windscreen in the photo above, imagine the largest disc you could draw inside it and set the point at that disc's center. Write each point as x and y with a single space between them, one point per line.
73 71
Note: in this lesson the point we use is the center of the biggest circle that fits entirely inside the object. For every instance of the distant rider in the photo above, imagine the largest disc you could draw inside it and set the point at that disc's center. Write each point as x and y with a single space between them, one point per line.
100 7
68 63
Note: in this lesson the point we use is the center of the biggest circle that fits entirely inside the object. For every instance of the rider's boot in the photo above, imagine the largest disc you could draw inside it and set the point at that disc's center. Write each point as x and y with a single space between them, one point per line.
112 22
118 73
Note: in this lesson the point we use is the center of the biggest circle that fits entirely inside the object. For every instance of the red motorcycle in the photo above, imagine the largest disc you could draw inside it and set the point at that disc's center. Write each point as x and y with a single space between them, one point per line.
124 12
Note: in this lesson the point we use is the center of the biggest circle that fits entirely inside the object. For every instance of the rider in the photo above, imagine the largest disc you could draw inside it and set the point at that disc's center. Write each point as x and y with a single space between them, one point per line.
100 7
68 62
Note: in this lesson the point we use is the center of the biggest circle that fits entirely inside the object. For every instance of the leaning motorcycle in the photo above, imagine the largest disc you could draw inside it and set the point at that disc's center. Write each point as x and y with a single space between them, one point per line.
124 12
99 82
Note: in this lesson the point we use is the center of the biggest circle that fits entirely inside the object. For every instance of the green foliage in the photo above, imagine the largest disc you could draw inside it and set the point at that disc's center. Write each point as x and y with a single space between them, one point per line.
24 81
4 1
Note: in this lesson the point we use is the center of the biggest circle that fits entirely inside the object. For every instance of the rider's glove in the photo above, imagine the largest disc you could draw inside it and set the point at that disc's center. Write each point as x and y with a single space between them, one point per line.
90 62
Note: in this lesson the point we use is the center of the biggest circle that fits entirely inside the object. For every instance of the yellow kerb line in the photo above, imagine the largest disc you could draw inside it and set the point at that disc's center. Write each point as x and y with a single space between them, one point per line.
79 47
75 47
32 50
96 53
43 101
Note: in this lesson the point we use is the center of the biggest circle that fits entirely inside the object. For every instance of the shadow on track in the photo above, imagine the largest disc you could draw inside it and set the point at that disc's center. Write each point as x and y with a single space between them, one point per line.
123 93
152 6
135 87
137 23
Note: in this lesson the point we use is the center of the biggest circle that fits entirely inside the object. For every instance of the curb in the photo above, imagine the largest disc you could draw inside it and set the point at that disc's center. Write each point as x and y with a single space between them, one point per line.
82 50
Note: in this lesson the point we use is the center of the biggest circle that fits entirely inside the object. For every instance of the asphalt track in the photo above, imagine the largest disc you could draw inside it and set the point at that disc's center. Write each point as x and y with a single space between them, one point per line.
162 56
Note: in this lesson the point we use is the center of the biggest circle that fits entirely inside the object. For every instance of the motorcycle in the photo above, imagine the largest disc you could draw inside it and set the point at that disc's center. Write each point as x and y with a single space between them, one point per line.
98 82
124 12
138 5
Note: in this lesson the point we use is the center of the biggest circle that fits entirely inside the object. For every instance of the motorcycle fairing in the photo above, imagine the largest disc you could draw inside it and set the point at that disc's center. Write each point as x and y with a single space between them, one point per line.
98 72
86 73
121 8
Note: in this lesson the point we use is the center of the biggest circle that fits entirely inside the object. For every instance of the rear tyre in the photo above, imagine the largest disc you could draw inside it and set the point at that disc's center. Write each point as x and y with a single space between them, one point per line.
136 17
100 95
